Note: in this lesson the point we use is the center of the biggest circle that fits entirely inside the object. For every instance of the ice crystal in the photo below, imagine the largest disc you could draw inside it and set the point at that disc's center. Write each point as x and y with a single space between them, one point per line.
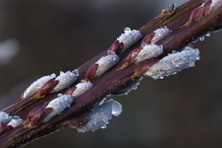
100 116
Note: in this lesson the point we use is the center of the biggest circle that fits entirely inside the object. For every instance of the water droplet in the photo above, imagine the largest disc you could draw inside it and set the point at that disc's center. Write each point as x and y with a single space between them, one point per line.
103 126
201 38
127 29
116 108
191 64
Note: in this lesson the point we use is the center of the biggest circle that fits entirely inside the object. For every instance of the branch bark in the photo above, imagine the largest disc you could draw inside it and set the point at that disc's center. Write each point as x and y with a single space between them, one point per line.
115 78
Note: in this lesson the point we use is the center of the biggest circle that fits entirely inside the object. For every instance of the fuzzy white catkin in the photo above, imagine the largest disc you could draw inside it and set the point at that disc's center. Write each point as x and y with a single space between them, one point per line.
4 117
100 116
37 85
105 63
65 80
160 33
129 37
81 88
173 63
15 122
148 52
58 105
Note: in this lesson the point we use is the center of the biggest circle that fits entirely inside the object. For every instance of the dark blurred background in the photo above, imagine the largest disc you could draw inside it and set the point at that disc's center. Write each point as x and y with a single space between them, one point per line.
180 111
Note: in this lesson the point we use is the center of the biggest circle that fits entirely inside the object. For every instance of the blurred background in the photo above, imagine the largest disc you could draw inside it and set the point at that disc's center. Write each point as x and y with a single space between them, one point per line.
48 36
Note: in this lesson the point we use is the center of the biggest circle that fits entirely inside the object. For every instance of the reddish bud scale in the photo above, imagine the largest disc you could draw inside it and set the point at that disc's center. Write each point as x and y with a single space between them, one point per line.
147 39
70 91
48 87
147 66
116 47
195 15
90 74
4 128
79 120
38 114
33 112
206 8
131 57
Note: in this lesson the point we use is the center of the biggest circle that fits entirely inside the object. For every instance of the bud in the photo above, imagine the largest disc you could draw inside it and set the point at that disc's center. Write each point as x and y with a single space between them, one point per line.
102 65
129 38
173 63
58 105
36 86
160 33
79 89
116 47
65 80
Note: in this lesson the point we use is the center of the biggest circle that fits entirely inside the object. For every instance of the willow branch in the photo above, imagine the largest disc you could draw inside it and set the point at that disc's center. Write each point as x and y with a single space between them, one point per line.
116 78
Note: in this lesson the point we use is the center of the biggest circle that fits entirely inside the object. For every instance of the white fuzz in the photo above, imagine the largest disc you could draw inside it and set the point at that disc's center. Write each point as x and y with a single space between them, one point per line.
58 105
148 52
174 63
81 88
160 34
65 80
216 4
129 37
100 116
4 117
37 85
15 122
105 63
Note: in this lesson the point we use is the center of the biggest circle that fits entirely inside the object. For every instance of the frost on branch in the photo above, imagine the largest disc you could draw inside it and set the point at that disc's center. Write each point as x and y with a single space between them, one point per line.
100 116
173 63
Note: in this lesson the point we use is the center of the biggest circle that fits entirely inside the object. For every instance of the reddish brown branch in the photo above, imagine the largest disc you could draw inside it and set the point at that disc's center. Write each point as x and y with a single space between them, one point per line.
115 78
